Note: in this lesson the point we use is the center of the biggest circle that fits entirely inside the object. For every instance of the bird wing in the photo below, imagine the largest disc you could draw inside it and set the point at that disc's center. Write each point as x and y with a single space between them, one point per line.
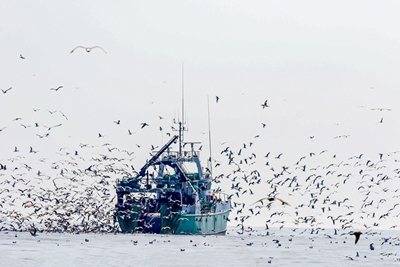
260 200
283 202
79 46
265 104
100 48
56 125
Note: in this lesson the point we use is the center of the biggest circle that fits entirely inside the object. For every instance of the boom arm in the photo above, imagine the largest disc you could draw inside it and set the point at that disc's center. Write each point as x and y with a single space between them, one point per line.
154 158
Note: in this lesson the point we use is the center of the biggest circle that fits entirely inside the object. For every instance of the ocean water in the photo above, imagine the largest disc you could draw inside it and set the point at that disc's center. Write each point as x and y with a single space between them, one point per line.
256 247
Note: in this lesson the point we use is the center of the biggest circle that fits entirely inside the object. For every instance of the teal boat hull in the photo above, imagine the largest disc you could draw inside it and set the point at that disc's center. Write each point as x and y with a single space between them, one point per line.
180 224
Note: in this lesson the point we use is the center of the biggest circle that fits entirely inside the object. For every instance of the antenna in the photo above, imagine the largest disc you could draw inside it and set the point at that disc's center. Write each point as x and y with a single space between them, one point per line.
183 98
209 134
181 123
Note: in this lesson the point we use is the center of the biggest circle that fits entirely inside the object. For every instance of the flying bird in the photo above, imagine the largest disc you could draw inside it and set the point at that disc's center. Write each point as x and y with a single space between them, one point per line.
49 128
88 49
272 199
143 125
265 105
5 91
56 89
216 99
21 56
381 109
64 115
32 230
357 235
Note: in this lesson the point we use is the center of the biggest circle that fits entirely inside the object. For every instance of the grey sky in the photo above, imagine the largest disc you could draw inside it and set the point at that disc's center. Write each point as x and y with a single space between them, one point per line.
322 65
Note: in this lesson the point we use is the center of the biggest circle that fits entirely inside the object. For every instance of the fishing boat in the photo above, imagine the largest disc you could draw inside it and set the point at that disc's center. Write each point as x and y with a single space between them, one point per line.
172 194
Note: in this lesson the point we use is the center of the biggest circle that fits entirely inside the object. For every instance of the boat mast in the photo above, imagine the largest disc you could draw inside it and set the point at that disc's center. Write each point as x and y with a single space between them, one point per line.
209 135
181 122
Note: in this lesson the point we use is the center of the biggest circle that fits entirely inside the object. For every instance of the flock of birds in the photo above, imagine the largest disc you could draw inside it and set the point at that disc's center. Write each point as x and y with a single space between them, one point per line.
71 193
354 196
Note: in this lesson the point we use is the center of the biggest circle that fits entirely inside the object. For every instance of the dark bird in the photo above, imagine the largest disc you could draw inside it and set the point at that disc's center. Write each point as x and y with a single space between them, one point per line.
265 105
21 56
5 91
357 235
32 230
143 125
216 99
88 49
56 89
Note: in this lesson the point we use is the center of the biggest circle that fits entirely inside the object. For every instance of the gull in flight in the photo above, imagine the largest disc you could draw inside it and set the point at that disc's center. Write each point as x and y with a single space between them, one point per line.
49 128
265 105
88 49
5 91
56 89
272 199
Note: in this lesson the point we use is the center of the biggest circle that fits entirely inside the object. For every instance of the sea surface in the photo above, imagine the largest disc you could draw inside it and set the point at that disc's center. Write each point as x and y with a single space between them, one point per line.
254 247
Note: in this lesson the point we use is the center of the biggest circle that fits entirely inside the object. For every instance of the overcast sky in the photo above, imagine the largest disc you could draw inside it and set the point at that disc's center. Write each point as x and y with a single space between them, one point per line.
324 67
